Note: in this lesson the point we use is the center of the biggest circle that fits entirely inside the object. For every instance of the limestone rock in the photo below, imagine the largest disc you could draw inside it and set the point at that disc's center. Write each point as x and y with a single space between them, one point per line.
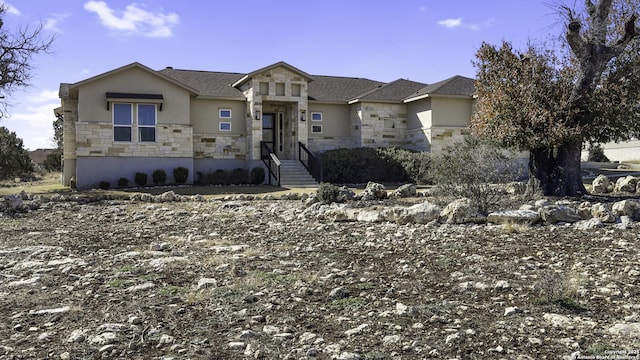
601 185
601 212
629 207
461 211
373 191
417 214
345 194
589 224
626 184
406 190
514 217
628 330
553 214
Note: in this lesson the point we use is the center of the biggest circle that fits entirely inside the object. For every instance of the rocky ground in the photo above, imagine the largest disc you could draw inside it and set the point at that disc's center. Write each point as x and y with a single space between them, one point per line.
236 279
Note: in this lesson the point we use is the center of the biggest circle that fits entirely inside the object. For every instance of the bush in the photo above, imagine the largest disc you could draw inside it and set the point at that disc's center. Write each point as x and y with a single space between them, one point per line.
159 177
361 165
257 175
596 153
328 193
53 161
123 182
472 168
239 176
14 158
180 174
105 185
219 177
140 179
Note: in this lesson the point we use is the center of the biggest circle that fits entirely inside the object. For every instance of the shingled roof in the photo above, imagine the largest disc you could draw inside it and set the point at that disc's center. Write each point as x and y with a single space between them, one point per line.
207 83
453 86
394 91
339 89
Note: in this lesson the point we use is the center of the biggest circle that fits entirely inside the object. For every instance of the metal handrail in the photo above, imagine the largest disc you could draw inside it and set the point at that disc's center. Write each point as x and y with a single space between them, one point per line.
310 161
269 159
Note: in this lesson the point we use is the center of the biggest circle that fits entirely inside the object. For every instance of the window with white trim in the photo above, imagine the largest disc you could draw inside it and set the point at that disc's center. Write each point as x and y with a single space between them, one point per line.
147 122
316 129
224 126
224 113
316 116
122 122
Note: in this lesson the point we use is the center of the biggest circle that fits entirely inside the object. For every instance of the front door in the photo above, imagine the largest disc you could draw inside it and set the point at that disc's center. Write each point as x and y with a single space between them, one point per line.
269 131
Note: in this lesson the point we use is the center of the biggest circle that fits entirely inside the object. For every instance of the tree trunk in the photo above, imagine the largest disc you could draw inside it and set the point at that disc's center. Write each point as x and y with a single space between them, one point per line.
557 171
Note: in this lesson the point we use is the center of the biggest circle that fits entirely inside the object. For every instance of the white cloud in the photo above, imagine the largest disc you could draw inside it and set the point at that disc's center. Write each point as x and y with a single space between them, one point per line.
10 8
423 9
457 22
31 117
451 23
134 19
53 23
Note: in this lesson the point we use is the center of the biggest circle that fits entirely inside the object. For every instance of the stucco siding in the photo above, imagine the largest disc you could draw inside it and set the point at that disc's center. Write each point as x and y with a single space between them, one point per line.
335 120
93 103
205 116
92 170
447 112
419 114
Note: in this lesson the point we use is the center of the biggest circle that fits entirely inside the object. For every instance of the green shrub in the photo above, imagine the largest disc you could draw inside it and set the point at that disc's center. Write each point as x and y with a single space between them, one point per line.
180 174
328 193
361 165
53 161
159 177
123 182
596 153
105 185
239 176
257 175
472 168
140 179
219 177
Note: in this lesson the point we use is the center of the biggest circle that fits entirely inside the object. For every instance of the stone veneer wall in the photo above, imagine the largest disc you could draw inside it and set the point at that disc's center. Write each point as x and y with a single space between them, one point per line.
219 146
70 114
444 136
323 144
371 124
418 139
96 140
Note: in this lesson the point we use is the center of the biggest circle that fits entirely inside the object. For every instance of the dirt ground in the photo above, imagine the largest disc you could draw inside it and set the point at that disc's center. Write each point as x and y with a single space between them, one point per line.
234 279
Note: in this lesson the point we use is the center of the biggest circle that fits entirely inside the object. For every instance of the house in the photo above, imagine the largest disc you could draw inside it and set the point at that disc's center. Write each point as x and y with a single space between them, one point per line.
134 118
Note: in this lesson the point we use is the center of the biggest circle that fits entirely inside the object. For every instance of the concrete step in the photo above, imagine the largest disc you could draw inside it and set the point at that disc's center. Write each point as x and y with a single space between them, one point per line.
293 174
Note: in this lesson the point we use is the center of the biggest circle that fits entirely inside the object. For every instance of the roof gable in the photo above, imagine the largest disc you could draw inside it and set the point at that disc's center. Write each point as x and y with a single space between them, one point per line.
453 86
135 65
283 64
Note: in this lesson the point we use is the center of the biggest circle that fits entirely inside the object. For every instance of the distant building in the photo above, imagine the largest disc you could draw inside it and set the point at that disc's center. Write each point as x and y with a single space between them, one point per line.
135 119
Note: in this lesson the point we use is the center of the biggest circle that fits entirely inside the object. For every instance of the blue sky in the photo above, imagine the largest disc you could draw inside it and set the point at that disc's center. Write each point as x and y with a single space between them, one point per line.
420 40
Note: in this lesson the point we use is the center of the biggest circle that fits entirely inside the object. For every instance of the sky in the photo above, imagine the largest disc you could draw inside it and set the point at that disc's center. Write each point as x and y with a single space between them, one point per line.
420 40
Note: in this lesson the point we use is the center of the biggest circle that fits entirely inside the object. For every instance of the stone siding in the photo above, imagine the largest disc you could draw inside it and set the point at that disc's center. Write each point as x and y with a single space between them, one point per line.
372 131
96 140
441 137
322 144
418 139
215 146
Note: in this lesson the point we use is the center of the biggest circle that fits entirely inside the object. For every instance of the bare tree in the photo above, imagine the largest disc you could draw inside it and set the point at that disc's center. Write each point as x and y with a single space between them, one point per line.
16 53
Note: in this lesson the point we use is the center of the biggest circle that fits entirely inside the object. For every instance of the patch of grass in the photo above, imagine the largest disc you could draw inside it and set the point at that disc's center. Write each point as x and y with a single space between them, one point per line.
172 290
598 349
348 303
116 283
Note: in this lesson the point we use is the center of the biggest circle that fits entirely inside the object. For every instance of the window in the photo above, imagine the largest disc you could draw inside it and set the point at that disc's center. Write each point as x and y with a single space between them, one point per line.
279 89
316 129
224 113
147 122
389 123
295 89
224 126
264 88
316 116
122 122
